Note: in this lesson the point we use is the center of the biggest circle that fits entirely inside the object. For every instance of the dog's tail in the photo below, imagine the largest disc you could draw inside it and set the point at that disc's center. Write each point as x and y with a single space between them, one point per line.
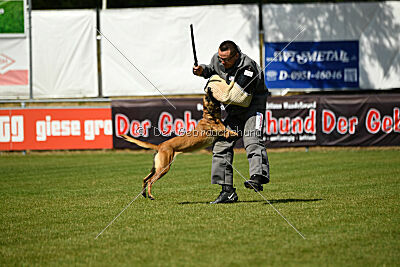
139 143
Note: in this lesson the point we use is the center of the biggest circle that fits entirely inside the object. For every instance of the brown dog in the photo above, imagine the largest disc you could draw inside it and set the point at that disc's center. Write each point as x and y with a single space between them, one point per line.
205 133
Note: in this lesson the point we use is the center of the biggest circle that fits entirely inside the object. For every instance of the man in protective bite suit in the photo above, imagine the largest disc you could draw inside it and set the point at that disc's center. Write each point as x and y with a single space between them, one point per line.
238 82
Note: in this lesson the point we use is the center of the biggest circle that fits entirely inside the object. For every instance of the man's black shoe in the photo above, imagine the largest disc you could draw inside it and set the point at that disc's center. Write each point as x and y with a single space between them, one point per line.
256 182
253 185
261 179
226 197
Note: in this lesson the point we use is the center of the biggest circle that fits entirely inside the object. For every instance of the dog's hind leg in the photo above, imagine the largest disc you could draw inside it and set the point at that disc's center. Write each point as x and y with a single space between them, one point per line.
145 179
153 179
152 172
162 164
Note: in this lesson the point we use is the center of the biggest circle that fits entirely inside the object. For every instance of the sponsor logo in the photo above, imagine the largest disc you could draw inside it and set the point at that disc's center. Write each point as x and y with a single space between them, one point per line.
11 129
325 64
271 75
303 57
5 63
55 128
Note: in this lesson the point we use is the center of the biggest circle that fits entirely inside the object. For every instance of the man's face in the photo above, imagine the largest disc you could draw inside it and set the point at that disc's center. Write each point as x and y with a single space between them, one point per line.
226 58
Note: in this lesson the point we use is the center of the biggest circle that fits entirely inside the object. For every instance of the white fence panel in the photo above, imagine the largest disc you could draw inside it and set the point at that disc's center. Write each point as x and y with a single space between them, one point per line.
157 41
64 54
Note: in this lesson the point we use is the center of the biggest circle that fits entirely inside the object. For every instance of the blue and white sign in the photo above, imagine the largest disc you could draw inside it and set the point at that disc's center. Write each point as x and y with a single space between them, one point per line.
332 64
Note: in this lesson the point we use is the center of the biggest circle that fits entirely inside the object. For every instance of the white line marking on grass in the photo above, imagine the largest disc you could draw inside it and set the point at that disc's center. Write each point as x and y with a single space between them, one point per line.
269 203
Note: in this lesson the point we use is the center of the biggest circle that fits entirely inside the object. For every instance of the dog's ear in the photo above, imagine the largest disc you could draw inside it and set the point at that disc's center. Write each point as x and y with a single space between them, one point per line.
210 97
208 92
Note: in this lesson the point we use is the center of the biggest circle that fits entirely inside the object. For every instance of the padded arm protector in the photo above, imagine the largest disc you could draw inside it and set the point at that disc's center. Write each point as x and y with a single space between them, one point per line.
228 93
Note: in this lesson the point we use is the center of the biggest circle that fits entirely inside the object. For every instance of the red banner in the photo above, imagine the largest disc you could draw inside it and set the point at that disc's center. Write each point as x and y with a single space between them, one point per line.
45 129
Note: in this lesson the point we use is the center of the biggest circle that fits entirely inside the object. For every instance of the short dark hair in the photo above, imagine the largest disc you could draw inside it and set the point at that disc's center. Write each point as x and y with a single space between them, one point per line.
229 45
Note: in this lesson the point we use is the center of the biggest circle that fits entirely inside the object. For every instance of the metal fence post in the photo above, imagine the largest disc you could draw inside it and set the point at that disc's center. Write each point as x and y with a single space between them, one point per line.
30 49
98 45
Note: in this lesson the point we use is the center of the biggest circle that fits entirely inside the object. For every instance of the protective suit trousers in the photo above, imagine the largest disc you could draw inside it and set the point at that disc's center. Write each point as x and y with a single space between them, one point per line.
249 125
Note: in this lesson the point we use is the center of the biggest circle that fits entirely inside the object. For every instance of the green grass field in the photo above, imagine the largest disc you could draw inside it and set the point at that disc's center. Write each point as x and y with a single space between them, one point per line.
344 201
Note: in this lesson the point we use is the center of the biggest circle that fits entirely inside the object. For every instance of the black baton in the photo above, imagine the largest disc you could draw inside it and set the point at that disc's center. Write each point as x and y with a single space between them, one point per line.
193 46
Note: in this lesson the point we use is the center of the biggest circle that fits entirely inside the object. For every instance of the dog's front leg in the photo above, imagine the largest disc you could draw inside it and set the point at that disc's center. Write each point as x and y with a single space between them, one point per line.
228 133
225 131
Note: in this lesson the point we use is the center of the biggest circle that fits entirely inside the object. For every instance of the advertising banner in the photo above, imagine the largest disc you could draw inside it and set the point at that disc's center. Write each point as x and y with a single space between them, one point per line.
154 120
59 128
14 68
354 120
359 120
319 120
290 121
329 64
